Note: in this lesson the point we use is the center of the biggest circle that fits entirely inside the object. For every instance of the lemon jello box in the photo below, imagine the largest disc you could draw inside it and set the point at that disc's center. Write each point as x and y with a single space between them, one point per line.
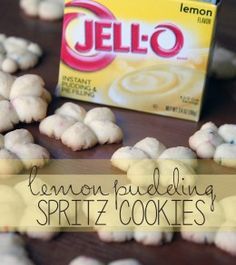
150 56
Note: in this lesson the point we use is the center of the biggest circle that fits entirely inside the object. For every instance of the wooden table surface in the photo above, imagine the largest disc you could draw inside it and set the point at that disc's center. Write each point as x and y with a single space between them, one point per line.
220 107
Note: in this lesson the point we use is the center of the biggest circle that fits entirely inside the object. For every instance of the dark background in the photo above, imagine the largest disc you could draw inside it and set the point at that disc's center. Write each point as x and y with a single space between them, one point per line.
220 107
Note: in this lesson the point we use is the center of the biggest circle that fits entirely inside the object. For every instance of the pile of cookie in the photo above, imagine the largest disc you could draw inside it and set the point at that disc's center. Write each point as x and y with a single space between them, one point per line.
18 54
80 130
44 9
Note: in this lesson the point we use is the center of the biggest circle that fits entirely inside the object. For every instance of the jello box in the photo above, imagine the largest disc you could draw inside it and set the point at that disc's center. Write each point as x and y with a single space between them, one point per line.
149 56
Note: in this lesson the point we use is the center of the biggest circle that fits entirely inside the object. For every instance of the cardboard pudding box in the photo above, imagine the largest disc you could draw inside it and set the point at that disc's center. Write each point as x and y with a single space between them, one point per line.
149 56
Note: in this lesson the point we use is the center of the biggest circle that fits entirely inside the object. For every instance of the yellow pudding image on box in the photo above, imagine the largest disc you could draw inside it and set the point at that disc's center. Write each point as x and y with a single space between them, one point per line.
150 56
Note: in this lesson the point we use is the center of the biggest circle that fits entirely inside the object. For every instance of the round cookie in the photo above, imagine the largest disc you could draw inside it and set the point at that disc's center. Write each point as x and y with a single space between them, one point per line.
225 155
206 140
27 85
151 146
55 125
72 110
116 236
228 133
99 114
181 153
124 157
50 10
153 238
19 136
167 169
107 132
222 65
9 164
29 108
8 116
141 173
32 155
22 99
79 137
44 9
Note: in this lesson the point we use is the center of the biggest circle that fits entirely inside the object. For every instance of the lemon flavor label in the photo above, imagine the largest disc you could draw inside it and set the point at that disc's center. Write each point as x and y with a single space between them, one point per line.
149 56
